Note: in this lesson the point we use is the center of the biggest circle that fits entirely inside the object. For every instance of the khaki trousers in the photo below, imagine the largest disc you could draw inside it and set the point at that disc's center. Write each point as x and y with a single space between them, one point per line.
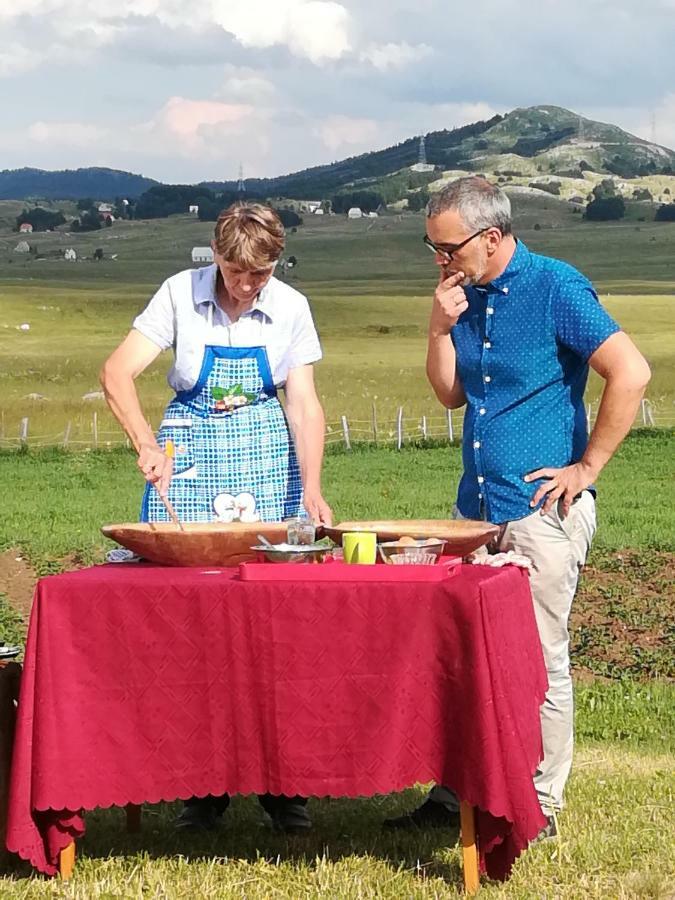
557 548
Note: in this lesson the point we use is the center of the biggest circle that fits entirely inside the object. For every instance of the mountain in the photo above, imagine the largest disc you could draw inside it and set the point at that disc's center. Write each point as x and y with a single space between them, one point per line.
538 140
321 180
71 184
549 139
530 142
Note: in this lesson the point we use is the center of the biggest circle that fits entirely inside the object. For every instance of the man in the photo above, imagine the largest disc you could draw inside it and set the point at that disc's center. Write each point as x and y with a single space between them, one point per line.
512 335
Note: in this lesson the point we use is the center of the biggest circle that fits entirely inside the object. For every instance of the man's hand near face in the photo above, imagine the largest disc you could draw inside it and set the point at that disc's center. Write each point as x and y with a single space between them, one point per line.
449 303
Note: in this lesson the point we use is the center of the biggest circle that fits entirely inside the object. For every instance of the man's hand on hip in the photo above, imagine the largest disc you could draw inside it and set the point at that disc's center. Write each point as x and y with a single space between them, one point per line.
449 303
566 483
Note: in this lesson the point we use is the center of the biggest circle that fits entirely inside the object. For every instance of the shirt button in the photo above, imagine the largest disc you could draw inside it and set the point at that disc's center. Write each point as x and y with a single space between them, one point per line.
506 290
482 410
480 479
476 445
480 496
487 345
489 310
487 379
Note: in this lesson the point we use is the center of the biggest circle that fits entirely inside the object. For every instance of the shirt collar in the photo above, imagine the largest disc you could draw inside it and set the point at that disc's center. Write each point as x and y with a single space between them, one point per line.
519 261
204 291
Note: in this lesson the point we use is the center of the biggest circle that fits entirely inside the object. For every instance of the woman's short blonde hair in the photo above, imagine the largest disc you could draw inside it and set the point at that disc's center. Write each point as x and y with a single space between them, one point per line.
249 235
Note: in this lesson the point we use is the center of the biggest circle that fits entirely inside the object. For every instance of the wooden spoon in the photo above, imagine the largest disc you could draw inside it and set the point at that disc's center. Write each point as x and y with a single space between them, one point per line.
165 500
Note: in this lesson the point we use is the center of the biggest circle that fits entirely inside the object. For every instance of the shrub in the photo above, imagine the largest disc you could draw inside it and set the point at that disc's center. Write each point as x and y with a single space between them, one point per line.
665 213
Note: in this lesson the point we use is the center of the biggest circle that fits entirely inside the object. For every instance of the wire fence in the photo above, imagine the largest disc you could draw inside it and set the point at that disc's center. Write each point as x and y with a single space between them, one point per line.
388 430
402 429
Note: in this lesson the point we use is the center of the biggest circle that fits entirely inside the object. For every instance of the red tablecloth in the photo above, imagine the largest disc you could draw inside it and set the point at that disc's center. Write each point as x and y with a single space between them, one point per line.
143 684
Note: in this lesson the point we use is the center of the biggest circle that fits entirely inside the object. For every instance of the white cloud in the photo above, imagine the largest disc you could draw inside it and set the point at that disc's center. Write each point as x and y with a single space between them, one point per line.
189 127
347 135
66 134
15 58
245 85
394 56
315 29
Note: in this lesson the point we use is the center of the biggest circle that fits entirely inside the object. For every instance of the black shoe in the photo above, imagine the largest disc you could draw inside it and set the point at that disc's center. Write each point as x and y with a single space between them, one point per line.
202 813
548 832
287 814
429 815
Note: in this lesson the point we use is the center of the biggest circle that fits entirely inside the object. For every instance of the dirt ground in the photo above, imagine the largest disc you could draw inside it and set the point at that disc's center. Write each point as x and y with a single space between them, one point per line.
17 581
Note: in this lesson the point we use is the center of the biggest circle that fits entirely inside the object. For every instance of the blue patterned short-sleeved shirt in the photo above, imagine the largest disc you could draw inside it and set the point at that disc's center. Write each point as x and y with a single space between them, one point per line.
522 355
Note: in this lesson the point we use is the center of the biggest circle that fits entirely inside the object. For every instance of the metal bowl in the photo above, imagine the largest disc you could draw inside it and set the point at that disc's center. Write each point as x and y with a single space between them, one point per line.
292 553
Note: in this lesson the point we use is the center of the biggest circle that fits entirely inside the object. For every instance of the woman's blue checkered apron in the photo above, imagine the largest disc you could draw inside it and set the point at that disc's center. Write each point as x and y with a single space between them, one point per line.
233 453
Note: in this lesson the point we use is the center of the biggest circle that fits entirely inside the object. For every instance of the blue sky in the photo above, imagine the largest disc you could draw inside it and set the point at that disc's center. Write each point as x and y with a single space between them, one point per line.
184 92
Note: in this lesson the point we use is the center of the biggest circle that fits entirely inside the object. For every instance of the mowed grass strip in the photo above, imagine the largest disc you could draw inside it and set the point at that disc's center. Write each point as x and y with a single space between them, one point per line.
616 834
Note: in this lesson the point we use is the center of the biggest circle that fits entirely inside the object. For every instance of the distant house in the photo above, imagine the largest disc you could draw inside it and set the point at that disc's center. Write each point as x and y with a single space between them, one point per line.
313 205
318 212
193 210
22 247
104 208
106 216
70 254
355 213
373 215
25 228
202 254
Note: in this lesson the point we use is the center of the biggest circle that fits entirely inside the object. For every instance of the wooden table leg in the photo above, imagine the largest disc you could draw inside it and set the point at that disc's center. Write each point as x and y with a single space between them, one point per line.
133 818
467 819
67 861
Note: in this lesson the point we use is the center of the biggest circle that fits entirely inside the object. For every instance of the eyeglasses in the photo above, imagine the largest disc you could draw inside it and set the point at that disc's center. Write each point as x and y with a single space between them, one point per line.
449 250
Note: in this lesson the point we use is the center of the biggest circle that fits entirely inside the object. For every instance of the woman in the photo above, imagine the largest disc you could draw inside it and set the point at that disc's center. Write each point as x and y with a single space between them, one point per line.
224 450
238 335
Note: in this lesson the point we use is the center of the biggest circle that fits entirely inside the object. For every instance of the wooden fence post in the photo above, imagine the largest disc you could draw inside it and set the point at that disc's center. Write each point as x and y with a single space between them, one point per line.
374 423
588 416
66 435
399 428
345 432
23 432
647 413
94 425
424 427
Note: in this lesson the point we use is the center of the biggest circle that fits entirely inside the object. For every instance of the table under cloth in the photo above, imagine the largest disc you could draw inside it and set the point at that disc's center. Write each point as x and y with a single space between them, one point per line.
147 684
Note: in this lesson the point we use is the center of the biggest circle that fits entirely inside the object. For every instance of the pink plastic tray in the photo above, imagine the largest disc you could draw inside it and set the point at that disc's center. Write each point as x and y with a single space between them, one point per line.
340 571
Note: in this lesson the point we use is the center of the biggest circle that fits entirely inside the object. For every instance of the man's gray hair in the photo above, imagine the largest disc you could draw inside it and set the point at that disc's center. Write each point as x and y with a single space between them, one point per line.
479 203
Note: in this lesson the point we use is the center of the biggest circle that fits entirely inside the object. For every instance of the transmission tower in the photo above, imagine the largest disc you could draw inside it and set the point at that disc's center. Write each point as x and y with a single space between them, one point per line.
422 156
241 184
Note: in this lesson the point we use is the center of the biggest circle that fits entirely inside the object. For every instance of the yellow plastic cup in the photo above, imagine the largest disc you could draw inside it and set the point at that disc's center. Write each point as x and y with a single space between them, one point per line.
359 547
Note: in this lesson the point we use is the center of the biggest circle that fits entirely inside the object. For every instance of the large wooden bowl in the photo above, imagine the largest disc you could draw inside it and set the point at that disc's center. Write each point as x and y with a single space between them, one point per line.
201 544
462 536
